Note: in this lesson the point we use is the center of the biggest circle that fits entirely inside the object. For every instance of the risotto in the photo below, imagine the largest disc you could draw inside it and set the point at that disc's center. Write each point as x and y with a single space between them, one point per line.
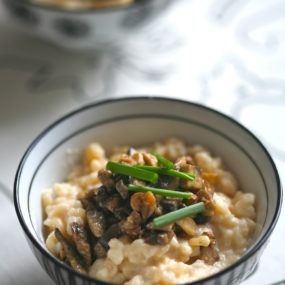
97 225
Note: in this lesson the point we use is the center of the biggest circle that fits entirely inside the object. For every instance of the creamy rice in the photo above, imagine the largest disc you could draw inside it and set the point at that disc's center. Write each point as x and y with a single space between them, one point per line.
136 262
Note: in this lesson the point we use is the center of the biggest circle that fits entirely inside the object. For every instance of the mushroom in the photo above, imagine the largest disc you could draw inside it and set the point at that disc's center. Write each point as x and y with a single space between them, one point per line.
96 221
80 238
144 203
70 253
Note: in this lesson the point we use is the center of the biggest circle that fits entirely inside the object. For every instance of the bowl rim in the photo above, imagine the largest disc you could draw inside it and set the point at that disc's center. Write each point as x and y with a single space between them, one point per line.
99 102
79 11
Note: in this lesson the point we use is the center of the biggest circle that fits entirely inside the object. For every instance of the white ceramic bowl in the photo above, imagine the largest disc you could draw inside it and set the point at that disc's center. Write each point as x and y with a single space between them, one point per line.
138 121
84 29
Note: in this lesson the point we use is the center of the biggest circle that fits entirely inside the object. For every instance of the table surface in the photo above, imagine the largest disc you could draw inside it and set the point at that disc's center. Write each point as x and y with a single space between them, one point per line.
226 54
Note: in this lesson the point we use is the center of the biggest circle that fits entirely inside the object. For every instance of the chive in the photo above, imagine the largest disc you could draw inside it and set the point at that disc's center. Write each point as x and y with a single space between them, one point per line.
132 171
179 214
163 192
168 164
169 172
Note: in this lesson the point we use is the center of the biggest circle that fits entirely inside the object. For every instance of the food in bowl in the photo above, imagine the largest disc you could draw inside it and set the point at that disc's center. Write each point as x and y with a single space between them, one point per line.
98 225
84 4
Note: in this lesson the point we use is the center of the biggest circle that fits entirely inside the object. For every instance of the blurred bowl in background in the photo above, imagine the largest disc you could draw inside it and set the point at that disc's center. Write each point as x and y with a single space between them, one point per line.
84 27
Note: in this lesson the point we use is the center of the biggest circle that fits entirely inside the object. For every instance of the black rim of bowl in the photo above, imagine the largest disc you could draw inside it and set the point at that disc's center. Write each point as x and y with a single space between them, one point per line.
79 11
52 258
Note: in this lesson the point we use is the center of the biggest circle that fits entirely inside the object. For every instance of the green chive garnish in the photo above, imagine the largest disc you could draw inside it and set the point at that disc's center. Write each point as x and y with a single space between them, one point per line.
163 192
169 172
132 171
179 214
168 164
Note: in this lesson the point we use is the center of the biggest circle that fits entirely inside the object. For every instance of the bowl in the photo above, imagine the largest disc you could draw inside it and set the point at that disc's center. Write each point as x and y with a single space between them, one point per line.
138 121
84 29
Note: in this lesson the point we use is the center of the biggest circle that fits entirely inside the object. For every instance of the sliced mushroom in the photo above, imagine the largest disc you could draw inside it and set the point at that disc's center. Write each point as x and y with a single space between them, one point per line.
164 181
88 197
111 203
106 177
174 183
70 253
101 194
96 221
132 225
113 231
122 189
170 204
80 238
126 179
158 237
99 250
101 247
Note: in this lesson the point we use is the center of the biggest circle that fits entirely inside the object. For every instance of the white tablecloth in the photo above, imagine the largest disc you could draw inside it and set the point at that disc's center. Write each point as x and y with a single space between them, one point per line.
226 54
